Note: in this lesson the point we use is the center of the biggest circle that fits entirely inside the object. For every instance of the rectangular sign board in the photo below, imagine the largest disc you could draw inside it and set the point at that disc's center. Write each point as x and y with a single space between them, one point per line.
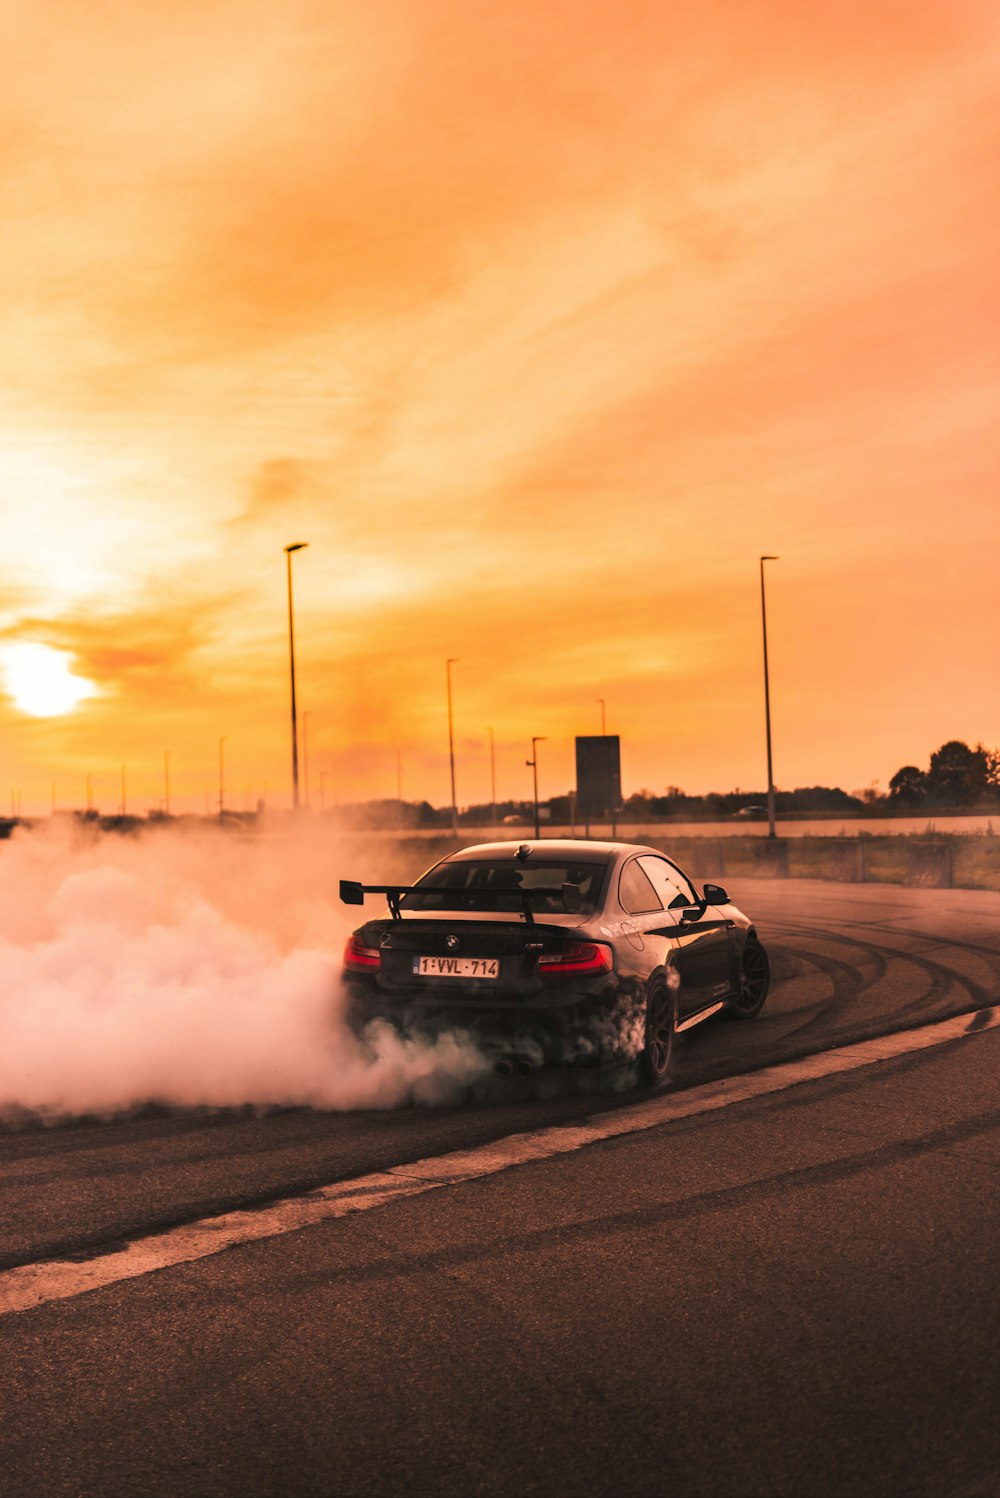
598 776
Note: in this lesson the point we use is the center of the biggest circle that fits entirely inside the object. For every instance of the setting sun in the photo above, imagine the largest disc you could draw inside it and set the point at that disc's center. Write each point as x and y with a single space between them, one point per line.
40 681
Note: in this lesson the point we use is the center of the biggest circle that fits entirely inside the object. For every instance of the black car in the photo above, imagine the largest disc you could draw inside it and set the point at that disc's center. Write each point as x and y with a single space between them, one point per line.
555 953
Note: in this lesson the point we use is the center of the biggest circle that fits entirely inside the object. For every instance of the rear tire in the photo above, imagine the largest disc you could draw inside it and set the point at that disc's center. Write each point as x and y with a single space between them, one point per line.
659 1031
755 980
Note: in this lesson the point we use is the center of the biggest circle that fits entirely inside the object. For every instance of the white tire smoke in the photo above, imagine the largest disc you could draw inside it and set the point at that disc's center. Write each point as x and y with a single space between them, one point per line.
189 969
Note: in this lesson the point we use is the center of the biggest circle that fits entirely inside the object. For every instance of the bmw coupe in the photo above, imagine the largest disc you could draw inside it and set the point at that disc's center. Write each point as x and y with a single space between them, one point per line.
555 953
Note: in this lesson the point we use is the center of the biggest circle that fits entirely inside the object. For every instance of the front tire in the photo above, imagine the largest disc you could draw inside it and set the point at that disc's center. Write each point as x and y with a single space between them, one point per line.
659 1031
755 980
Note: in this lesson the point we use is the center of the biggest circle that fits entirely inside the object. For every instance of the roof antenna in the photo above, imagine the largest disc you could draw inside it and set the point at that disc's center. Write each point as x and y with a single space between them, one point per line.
522 852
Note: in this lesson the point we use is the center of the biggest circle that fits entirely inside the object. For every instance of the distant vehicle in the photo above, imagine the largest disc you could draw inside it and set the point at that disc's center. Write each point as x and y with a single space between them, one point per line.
751 811
515 819
555 953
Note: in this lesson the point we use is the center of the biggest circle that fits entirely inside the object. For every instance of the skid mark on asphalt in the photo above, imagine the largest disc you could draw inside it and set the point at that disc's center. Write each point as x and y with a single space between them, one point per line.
940 978
988 957
846 982
33 1285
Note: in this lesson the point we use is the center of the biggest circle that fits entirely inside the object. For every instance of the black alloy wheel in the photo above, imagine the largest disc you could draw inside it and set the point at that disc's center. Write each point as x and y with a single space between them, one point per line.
755 979
660 1029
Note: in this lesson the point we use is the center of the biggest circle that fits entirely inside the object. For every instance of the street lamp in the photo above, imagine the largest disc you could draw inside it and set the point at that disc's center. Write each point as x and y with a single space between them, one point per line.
295 546
533 762
222 783
493 773
324 776
603 724
767 702
452 661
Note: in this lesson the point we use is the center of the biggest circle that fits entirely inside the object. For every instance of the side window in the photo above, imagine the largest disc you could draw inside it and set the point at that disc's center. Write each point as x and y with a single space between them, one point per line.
667 880
635 892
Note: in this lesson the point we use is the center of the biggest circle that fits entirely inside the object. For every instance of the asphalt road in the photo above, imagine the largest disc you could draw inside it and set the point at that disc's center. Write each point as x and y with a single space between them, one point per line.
848 962
792 1295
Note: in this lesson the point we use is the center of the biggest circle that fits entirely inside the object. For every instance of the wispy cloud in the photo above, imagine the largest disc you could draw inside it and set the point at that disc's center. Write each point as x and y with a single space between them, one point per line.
539 323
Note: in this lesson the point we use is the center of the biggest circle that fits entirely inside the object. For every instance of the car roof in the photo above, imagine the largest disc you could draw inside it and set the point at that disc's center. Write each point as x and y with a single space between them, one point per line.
579 850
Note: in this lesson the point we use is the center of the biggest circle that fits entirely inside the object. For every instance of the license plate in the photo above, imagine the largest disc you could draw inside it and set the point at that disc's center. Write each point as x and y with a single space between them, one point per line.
457 967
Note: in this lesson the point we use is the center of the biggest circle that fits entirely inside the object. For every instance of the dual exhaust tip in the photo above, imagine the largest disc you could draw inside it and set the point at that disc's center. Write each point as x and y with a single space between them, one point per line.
513 1066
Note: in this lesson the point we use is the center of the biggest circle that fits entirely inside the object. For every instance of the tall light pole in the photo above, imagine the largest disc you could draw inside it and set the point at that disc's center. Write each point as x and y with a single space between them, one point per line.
604 728
222 778
305 753
452 661
533 762
767 702
493 773
295 546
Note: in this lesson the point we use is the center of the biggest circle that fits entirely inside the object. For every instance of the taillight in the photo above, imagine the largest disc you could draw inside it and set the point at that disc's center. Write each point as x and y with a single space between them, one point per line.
580 958
360 959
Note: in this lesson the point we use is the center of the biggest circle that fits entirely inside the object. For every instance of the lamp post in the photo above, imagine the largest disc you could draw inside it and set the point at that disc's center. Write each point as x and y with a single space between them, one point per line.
767 702
603 722
295 546
533 762
222 779
452 661
493 773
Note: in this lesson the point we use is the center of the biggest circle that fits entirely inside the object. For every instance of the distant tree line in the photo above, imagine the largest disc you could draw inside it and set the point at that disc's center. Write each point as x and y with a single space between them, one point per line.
957 776
675 803
643 806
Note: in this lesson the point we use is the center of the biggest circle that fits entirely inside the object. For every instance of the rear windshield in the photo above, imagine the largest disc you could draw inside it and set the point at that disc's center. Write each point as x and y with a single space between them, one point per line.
494 884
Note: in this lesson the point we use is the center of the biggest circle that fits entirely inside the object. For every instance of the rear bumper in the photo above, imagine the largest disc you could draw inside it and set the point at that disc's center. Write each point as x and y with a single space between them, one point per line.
564 1025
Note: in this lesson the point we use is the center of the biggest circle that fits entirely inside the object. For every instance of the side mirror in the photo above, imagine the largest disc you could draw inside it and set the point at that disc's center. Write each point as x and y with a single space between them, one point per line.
572 897
715 895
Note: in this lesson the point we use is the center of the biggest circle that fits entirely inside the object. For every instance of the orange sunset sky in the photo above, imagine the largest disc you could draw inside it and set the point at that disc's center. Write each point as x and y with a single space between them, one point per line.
539 322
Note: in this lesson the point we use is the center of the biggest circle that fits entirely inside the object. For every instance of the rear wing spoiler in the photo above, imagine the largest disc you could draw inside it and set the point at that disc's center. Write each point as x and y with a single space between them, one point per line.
353 893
